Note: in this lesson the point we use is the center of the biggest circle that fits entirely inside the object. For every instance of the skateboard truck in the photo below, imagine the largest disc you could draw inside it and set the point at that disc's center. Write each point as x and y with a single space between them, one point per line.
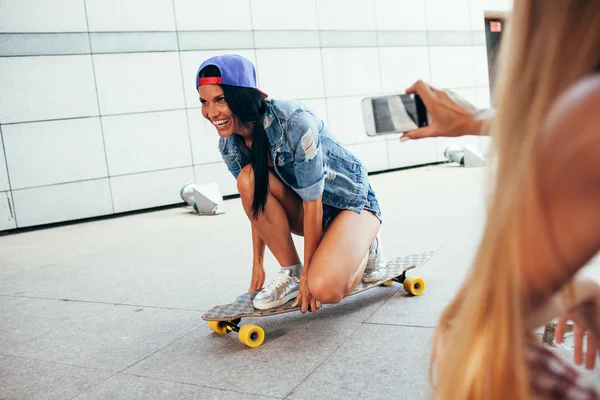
232 326
413 285
248 334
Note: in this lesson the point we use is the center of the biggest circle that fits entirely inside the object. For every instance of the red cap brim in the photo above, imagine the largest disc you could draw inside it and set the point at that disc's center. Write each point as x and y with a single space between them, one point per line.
211 80
217 80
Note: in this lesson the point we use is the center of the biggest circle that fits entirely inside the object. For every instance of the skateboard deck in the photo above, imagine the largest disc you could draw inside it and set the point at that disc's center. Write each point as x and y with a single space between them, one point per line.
225 318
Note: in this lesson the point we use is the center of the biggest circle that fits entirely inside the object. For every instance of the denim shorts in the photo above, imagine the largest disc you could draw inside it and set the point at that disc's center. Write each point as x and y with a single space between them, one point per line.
372 205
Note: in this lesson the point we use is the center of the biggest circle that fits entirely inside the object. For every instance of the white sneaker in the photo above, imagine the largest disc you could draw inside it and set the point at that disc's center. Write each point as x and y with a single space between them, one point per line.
282 289
376 264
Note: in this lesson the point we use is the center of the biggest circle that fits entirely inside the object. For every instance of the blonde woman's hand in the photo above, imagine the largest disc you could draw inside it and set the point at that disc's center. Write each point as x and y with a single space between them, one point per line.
586 319
450 114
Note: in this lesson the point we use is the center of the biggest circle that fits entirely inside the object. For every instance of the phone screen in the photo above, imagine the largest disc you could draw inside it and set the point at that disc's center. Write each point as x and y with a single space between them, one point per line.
398 113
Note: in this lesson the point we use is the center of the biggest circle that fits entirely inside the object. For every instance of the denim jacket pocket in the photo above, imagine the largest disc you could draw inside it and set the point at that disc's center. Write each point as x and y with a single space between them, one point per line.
343 178
342 164
283 158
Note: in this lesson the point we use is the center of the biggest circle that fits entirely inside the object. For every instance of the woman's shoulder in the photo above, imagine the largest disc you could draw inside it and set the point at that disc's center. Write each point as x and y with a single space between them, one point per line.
571 130
579 98
576 111
287 110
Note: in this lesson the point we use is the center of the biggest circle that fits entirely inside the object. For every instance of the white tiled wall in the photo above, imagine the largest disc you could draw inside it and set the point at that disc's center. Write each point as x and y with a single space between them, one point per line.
481 66
351 71
284 14
150 189
47 153
146 142
194 15
409 153
346 120
4 185
130 15
88 135
483 97
138 82
43 88
403 66
66 202
443 15
452 67
400 15
7 217
42 16
477 16
346 14
291 73
372 154
216 172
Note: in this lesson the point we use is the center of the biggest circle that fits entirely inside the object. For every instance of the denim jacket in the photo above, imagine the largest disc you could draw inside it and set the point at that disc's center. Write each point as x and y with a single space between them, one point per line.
305 156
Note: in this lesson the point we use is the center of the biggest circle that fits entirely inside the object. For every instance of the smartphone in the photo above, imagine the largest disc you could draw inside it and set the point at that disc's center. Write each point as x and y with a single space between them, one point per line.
397 113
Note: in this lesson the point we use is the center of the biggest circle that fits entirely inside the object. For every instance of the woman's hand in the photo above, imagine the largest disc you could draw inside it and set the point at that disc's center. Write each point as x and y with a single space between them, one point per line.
258 277
305 298
586 318
451 115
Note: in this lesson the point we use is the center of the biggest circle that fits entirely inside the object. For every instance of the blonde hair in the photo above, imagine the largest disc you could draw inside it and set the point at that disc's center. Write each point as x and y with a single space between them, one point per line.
479 349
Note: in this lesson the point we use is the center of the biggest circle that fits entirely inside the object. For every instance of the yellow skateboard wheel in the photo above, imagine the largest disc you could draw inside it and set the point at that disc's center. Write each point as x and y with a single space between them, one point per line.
387 283
414 285
251 335
218 327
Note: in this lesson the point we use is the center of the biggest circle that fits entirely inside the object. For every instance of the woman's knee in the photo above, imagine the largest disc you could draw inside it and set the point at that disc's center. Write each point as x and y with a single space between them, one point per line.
245 182
327 290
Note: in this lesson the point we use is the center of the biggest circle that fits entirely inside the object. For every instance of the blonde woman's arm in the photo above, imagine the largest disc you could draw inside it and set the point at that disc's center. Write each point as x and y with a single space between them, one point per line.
564 233
451 115
579 291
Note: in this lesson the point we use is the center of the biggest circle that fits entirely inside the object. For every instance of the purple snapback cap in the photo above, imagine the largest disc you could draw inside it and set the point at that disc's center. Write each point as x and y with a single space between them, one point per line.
235 71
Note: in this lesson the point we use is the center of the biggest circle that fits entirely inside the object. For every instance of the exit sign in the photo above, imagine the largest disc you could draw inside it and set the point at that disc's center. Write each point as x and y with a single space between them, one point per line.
496 26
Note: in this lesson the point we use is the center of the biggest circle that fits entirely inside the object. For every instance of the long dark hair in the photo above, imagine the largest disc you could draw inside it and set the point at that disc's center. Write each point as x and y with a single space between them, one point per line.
249 106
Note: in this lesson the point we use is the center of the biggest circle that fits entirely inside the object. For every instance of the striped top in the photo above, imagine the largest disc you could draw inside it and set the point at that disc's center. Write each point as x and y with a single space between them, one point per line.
552 377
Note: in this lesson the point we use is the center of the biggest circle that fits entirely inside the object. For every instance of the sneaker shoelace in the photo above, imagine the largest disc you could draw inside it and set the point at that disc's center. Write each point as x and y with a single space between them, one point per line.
277 284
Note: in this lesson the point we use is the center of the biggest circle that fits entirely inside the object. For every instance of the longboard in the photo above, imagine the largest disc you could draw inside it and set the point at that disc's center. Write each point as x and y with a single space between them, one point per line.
226 318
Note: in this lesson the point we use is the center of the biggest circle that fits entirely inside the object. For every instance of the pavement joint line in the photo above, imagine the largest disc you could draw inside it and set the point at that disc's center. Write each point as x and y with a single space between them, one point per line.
129 366
344 341
381 305
403 325
99 383
100 302
162 348
198 385
325 359
55 362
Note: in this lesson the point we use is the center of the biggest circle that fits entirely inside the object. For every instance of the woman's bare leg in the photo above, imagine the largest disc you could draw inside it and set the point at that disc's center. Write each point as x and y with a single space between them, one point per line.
339 261
283 215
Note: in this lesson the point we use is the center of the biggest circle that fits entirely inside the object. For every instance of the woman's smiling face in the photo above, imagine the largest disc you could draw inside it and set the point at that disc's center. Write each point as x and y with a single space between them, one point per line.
216 110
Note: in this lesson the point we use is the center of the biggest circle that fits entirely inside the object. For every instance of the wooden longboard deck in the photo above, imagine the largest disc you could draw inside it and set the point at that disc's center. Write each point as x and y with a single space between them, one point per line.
242 307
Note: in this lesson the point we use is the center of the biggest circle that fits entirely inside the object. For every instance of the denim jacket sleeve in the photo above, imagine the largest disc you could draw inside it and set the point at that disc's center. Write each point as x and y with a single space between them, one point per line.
308 156
233 159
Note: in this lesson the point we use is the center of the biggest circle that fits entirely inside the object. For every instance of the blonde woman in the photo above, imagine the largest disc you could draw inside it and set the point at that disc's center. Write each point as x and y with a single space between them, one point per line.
543 222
